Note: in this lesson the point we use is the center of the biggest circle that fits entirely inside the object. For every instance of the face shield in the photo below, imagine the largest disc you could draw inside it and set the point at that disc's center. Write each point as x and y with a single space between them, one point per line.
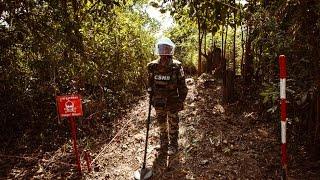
164 46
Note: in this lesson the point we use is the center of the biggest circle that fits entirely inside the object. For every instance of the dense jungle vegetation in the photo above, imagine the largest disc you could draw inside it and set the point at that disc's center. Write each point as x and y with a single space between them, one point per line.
100 48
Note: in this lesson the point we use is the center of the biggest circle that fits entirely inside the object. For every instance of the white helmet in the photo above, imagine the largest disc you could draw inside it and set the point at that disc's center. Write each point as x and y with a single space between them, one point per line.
164 46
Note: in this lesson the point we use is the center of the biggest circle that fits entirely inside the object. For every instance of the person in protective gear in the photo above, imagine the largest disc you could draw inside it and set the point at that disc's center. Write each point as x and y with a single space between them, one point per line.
168 87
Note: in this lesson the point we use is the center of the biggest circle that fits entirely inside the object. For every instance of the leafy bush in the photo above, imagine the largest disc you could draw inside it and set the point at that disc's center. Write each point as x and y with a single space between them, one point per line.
48 48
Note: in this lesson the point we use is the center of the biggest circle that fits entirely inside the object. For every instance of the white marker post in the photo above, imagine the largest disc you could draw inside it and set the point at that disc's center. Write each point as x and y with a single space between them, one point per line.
283 114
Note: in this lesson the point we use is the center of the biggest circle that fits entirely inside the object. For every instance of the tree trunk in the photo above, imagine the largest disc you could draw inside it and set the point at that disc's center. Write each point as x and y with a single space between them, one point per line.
228 93
225 39
199 47
248 66
225 79
242 42
234 42
222 40
205 33
213 42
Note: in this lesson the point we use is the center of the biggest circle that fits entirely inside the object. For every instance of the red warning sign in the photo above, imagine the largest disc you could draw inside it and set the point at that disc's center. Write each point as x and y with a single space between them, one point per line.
69 105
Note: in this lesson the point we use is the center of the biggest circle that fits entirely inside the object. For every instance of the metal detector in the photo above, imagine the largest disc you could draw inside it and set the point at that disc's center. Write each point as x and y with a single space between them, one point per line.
145 173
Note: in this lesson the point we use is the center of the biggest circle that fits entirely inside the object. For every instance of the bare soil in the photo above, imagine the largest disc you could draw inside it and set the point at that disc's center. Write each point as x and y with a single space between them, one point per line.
216 141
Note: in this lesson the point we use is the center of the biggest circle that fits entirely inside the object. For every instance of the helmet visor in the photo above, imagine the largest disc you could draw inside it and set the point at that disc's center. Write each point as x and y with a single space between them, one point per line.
164 49
164 46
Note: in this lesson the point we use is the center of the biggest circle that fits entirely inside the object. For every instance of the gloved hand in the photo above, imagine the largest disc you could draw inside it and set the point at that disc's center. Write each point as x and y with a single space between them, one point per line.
149 90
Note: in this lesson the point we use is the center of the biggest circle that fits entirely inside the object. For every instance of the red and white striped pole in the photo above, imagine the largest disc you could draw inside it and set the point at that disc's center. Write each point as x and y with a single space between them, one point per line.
283 113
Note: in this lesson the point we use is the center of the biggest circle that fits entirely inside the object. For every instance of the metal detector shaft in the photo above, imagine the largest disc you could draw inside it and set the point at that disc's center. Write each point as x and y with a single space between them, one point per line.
148 125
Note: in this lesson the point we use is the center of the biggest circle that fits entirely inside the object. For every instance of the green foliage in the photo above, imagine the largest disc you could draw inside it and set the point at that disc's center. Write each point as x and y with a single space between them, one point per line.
271 28
184 36
210 16
285 30
270 93
98 49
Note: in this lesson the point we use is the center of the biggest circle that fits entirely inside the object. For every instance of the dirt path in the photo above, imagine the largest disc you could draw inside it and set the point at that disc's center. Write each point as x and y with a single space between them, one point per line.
216 142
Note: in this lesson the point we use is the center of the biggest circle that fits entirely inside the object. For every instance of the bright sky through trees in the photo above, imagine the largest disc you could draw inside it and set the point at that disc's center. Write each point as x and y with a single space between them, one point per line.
166 21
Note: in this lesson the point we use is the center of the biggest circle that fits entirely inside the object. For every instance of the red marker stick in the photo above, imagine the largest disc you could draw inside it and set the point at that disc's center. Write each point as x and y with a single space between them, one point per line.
88 160
283 113
74 139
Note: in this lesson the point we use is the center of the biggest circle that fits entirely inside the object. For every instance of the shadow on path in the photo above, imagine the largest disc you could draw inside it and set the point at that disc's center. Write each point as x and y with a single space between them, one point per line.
219 141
